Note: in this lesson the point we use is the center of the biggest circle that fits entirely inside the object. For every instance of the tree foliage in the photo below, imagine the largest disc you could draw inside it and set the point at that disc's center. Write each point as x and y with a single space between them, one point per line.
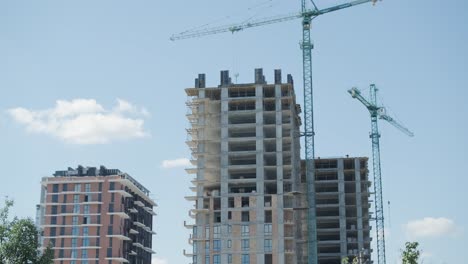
411 253
19 240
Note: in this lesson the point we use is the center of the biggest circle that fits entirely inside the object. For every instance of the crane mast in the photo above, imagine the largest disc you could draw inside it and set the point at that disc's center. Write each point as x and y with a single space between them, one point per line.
376 113
306 45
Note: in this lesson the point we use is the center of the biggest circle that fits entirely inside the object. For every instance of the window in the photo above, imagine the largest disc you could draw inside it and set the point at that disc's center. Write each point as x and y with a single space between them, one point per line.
77 187
53 220
84 254
216 259
229 229
245 259
245 231
76 198
109 230
54 209
111 207
112 219
74 242
62 232
195 231
100 188
65 187
63 208
229 243
55 188
75 220
216 231
86 209
52 231
112 186
267 229
216 245
76 209
268 216
112 197
207 259
87 187
229 258
75 231
85 242
55 198
74 253
194 258
207 247
207 231
245 244
268 245
195 247
85 231
245 216
64 198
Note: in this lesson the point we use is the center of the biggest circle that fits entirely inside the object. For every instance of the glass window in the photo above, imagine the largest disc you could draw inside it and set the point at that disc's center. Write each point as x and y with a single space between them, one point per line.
207 231
87 187
85 241
216 245
76 208
75 231
245 244
194 258
207 247
76 198
245 259
74 242
55 198
229 243
207 259
86 209
216 231
245 231
268 245
111 185
54 209
229 229
77 187
74 253
229 258
55 188
65 187
85 231
267 229
216 259
195 231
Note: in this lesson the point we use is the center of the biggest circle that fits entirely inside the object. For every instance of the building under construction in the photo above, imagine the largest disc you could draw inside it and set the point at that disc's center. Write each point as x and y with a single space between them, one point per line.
250 198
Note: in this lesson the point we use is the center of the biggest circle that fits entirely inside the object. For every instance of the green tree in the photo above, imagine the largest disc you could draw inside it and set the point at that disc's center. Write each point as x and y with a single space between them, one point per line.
19 240
411 253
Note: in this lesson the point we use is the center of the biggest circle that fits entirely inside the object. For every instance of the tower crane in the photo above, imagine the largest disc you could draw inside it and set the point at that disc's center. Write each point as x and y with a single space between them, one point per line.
307 14
377 112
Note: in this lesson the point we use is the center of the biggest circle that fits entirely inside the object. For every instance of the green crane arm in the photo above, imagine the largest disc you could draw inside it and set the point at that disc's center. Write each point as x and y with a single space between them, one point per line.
396 124
356 93
265 21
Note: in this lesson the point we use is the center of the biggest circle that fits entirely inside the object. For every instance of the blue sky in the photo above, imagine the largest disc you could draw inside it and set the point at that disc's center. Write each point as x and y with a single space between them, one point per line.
116 56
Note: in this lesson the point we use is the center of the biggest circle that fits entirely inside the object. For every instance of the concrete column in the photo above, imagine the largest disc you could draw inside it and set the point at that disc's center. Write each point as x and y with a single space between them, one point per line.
201 219
279 174
260 209
224 170
342 202
360 234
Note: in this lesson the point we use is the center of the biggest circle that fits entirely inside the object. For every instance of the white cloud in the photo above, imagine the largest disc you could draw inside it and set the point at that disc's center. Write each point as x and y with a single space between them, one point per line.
159 261
168 164
84 121
431 227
